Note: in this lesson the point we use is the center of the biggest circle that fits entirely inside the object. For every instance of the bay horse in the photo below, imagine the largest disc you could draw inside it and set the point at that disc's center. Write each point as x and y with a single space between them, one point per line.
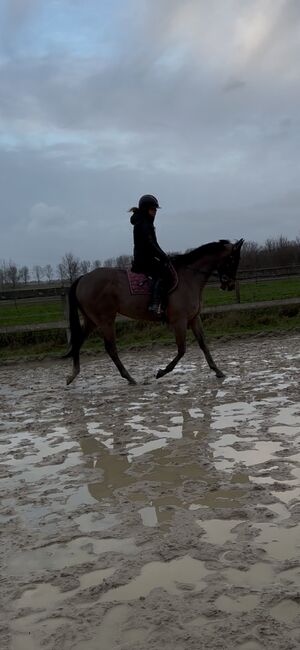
103 293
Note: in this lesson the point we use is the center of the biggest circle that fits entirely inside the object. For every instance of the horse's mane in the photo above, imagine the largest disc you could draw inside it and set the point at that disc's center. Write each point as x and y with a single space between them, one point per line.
213 248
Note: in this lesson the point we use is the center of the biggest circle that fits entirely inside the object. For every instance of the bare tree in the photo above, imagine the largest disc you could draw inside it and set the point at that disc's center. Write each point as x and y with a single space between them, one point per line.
48 271
250 255
70 267
24 274
38 272
110 262
60 271
12 273
85 266
96 264
123 261
3 274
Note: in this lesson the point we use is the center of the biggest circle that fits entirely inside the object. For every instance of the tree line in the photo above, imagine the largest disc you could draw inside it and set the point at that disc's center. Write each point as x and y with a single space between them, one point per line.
275 252
66 271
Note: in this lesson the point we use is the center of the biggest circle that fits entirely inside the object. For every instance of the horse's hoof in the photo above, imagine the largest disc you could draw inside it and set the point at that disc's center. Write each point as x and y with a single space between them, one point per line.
132 382
160 373
69 380
220 374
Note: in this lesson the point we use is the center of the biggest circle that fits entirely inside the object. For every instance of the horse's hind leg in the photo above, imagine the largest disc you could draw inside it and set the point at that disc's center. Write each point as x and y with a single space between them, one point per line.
109 336
180 335
86 329
75 368
197 329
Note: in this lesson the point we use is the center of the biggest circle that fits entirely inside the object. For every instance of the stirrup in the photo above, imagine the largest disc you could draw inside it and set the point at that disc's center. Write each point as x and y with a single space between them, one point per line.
155 308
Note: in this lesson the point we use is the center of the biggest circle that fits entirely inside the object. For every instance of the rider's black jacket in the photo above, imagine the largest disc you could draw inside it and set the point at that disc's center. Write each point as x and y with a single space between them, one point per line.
147 254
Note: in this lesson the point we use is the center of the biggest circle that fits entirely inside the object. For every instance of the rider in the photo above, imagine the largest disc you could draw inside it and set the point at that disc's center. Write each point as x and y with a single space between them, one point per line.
148 257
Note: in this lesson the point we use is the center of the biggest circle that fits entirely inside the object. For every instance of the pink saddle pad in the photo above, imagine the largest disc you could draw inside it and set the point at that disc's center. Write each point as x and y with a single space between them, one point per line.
139 283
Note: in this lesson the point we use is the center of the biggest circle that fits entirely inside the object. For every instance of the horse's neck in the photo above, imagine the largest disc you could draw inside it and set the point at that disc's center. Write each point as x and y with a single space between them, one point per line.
195 276
205 265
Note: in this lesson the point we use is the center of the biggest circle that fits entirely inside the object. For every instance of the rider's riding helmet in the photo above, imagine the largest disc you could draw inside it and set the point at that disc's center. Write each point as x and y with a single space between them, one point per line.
148 201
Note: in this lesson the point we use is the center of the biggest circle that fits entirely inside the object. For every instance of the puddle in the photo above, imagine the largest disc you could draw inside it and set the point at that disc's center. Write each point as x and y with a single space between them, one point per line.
59 556
239 477
114 468
34 515
287 611
165 471
81 496
94 428
280 543
112 632
226 457
182 390
196 413
220 499
27 630
46 457
161 512
232 415
162 431
291 575
262 480
258 575
290 415
218 531
149 517
92 522
231 606
47 596
279 509
168 576
140 450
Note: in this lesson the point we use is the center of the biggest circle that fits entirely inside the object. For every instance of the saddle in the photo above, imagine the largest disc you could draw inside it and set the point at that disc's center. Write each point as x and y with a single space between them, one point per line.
141 284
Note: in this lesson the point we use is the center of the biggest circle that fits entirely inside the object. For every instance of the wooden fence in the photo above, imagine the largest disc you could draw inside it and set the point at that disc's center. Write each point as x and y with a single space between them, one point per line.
209 311
43 290
34 293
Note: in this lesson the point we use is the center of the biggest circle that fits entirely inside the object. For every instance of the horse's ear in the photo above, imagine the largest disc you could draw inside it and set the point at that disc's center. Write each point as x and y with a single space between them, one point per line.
238 245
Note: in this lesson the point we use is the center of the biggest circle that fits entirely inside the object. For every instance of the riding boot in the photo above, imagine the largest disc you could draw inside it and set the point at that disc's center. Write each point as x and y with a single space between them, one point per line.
156 298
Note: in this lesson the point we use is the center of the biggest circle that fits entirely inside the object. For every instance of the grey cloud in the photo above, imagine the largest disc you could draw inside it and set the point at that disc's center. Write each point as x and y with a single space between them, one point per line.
233 84
45 218
16 14
214 135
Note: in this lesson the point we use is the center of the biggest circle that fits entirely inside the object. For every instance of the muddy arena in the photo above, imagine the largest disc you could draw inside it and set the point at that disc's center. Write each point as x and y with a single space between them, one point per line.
163 515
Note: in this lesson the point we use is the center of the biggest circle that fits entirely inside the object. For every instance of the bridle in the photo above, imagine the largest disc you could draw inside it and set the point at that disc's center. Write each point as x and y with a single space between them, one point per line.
228 268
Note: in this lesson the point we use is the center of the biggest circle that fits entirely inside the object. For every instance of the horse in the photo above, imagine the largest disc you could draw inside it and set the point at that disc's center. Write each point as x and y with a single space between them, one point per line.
105 292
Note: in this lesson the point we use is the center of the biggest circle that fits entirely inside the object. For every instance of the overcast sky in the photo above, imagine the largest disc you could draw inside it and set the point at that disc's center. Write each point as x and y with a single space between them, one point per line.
196 102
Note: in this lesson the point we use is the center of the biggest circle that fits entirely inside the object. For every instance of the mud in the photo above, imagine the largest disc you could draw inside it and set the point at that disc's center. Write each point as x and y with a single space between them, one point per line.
164 515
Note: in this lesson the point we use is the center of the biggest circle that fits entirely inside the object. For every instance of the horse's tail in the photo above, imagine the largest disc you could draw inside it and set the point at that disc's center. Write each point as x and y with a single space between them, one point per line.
76 331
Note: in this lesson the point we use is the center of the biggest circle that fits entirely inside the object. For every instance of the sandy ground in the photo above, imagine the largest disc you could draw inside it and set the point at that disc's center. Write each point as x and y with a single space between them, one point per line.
164 515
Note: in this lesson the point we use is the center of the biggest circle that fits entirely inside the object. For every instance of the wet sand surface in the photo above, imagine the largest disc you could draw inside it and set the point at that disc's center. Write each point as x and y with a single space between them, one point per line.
164 515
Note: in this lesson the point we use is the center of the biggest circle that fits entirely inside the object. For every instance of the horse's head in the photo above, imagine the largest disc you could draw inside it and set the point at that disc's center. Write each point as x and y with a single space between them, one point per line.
229 265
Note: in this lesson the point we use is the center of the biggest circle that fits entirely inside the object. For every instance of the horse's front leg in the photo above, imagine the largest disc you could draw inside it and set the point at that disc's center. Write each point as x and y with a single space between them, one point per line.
108 331
197 329
180 336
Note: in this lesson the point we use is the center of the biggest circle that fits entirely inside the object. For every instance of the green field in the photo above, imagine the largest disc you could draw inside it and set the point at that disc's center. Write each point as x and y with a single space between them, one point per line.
40 312
51 311
254 292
